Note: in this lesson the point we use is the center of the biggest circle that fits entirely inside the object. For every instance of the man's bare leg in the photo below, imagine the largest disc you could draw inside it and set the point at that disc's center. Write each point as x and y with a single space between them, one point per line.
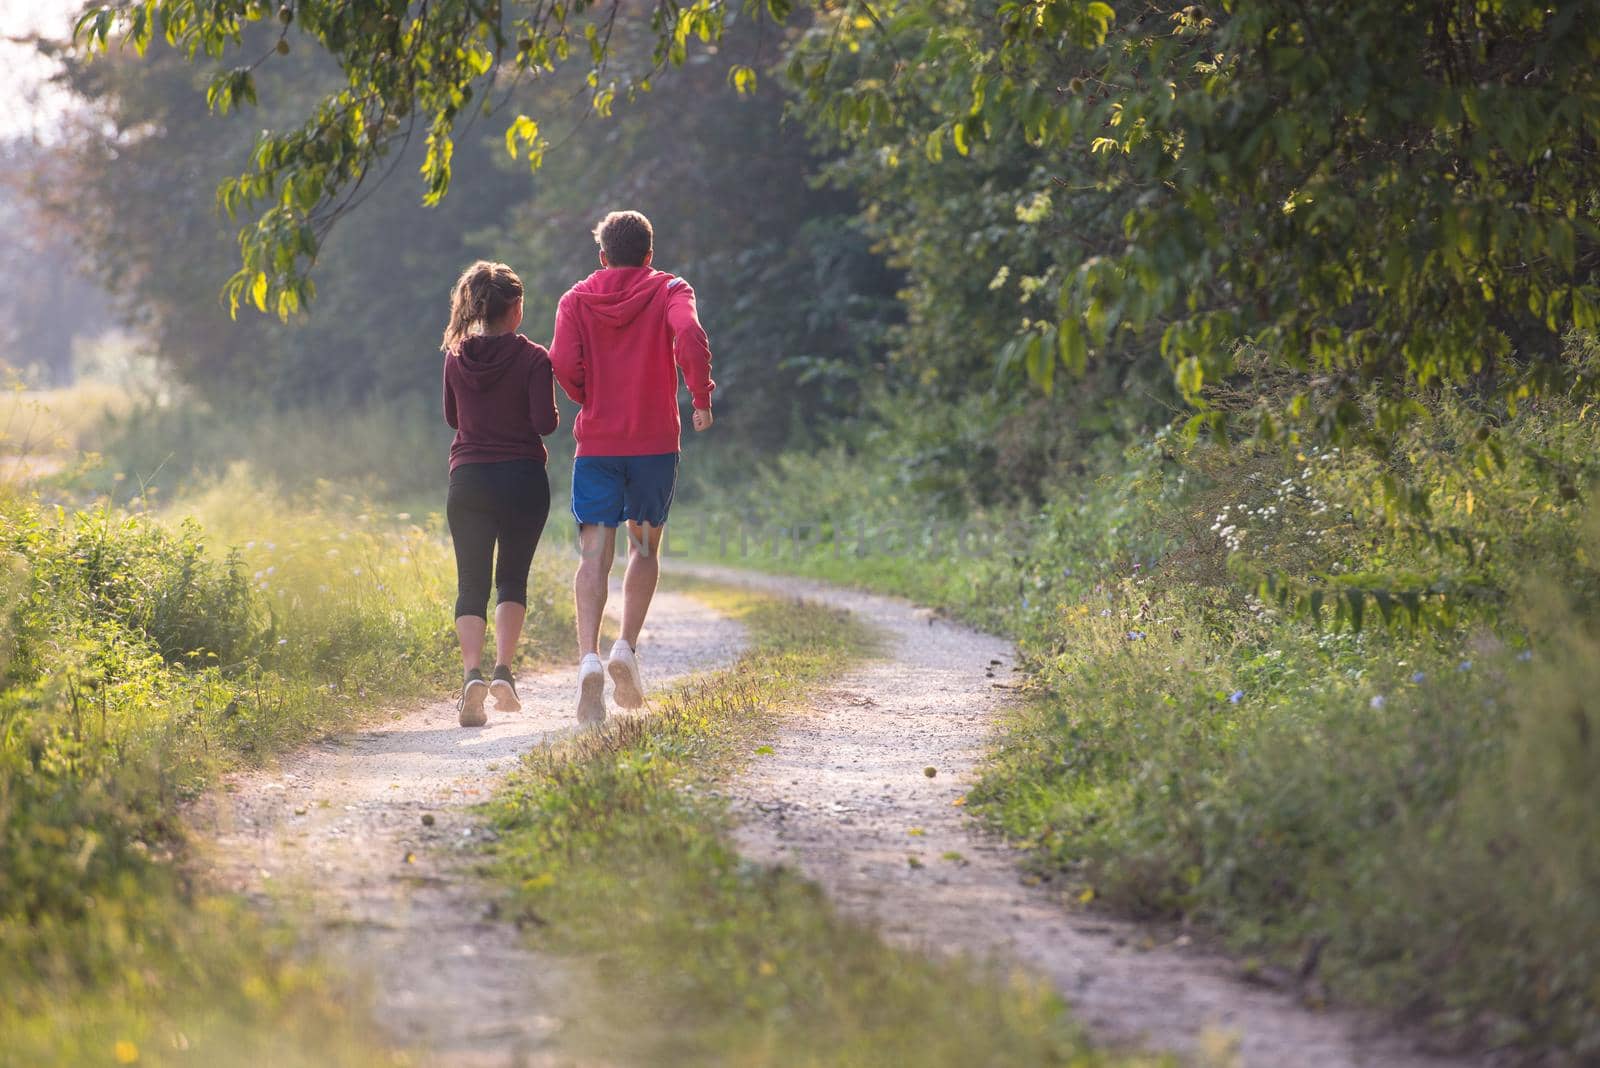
639 582
638 587
597 548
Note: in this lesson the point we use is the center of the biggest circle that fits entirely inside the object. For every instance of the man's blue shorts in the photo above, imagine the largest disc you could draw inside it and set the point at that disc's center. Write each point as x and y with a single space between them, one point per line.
609 489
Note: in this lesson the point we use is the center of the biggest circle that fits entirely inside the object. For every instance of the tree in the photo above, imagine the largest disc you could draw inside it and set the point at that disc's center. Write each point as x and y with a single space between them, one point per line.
46 301
788 286
1376 197
404 73
1373 197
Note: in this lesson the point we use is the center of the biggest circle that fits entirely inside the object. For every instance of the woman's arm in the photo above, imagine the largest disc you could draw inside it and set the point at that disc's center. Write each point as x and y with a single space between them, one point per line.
542 395
450 399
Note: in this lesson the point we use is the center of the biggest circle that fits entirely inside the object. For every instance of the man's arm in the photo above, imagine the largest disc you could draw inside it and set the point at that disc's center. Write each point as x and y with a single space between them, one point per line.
566 350
691 348
450 399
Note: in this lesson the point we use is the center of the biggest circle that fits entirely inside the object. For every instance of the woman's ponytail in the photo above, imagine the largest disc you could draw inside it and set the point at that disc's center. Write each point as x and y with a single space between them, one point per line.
481 295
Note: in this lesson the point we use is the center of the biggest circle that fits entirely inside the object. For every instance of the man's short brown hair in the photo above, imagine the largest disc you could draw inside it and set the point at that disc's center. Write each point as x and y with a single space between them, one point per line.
626 238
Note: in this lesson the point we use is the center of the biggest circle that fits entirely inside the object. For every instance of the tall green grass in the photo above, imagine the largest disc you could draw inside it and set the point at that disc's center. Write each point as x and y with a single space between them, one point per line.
396 452
141 653
1406 815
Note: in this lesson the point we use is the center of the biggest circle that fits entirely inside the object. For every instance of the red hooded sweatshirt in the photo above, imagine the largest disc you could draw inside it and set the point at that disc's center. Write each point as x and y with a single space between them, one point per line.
499 398
622 334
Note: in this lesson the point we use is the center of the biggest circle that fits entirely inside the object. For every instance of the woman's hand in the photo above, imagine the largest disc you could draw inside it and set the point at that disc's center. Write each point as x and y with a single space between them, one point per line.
702 418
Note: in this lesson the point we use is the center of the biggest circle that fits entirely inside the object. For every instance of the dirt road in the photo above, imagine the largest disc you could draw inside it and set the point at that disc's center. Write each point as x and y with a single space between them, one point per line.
846 798
337 832
366 832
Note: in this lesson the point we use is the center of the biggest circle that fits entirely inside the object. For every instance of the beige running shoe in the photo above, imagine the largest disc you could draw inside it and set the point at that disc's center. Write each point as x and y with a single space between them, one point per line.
624 668
504 689
473 691
591 691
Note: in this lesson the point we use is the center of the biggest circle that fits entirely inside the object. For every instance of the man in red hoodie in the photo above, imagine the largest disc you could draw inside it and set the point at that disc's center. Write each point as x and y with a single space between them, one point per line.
622 335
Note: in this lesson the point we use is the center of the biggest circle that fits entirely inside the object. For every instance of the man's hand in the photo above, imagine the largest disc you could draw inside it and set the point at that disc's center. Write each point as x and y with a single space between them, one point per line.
702 418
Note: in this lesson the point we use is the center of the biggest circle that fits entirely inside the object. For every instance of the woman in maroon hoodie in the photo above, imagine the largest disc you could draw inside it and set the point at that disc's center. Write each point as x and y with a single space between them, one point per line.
500 399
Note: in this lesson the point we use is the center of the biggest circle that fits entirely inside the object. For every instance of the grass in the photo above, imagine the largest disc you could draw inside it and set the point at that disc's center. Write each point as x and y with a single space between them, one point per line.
395 452
138 659
56 421
615 848
1402 816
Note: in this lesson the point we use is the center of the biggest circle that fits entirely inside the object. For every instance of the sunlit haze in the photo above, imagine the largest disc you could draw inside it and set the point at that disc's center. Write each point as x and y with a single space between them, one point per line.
29 104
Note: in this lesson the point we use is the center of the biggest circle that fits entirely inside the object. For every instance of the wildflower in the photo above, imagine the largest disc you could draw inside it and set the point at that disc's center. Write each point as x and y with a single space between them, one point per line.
283 641
1418 676
1525 656
1105 612
1465 665
1235 697
1135 635
355 571
1377 701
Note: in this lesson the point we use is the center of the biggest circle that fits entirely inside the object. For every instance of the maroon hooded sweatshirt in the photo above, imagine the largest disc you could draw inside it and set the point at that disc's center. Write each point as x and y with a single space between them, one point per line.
622 336
500 398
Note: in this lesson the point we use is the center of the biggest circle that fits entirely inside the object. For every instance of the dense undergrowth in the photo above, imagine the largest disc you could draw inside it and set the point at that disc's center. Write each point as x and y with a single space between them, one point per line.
616 847
140 654
1408 813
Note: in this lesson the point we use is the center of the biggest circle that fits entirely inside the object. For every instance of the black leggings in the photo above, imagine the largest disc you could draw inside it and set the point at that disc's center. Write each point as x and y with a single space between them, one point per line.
506 502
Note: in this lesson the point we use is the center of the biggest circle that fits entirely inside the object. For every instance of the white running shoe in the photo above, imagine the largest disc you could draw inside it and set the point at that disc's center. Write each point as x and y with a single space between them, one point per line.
591 691
624 668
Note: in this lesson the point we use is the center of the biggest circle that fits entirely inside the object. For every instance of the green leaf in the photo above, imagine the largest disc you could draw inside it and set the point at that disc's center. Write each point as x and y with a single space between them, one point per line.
1357 602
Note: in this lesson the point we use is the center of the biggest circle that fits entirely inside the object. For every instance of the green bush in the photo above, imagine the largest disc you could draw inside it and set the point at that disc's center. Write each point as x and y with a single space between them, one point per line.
1402 812
135 662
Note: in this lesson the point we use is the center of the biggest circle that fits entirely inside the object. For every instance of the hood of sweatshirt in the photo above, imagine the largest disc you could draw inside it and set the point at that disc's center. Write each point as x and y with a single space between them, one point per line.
617 295
484 359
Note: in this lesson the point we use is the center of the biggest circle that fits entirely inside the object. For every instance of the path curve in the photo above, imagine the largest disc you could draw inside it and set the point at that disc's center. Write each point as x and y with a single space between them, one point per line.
337 829
845 787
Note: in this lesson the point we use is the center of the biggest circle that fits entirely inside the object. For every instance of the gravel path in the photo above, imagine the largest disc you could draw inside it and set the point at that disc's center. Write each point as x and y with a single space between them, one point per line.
845 797
368 832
